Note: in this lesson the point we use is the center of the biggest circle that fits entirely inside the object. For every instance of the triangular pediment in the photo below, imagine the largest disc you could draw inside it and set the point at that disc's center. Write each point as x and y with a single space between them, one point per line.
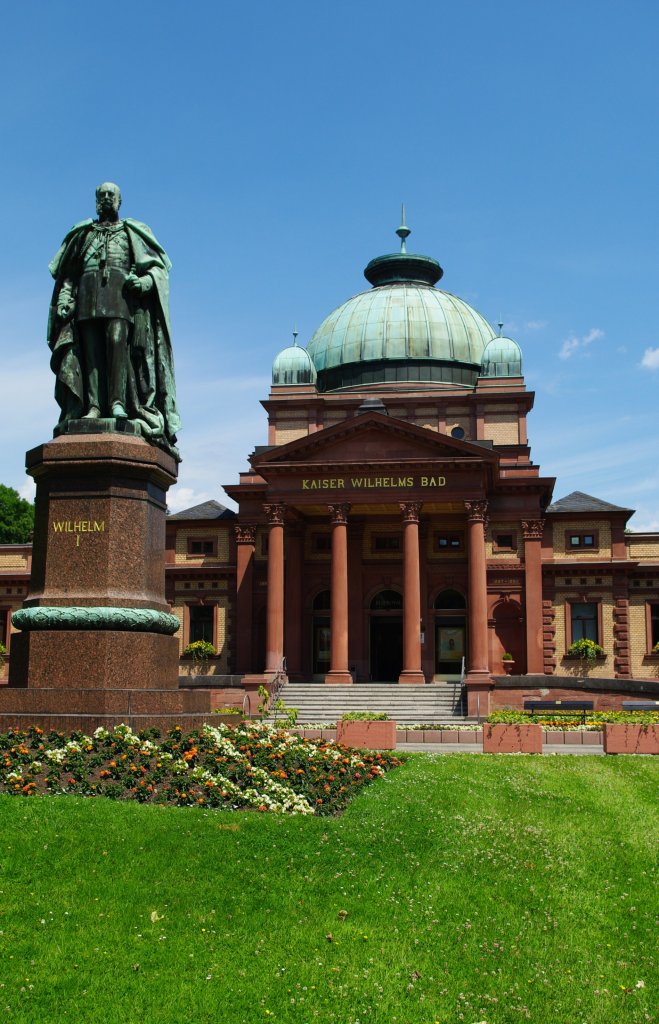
373 438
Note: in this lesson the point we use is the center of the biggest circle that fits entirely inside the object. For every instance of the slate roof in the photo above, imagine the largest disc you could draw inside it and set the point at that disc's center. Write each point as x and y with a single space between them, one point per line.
577 501
207 510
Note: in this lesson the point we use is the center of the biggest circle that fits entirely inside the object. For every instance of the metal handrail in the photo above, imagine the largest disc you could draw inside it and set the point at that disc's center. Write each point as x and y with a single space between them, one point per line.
278 681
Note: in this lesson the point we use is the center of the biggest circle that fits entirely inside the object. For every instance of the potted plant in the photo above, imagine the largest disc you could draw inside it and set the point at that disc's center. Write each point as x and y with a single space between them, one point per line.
508 662
369 730
200 651
585 650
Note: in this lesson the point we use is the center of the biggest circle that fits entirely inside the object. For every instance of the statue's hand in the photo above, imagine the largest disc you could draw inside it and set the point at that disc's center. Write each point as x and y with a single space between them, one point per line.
139 285
66 300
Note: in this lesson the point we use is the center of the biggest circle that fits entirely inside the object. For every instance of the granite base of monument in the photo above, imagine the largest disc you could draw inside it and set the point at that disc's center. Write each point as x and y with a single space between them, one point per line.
95 644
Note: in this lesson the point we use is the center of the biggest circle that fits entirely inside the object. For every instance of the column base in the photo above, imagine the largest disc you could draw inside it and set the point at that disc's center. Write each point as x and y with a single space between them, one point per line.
413 677
479 685
337 678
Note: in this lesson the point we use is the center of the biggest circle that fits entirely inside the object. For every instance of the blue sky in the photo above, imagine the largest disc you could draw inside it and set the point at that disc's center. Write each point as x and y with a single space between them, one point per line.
269 146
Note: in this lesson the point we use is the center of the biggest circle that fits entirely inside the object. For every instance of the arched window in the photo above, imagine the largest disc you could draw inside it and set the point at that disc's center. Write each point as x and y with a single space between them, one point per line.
450 599
321 602
387 601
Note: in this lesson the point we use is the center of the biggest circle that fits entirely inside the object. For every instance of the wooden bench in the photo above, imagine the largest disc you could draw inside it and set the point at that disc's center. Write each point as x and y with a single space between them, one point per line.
640 705
559 707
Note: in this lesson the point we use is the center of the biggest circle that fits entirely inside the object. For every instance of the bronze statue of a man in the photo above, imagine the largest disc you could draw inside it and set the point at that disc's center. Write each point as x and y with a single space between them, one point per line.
108 328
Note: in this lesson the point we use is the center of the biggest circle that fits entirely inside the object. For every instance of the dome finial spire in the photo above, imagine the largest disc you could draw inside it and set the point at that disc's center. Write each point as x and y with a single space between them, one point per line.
295 334
403 231
500 325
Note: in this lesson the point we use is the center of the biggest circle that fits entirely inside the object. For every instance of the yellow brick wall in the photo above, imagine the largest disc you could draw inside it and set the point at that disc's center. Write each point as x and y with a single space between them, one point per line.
283 435
458 421
13 560
567 666
602 528
643 549
425 421
181 556
513 528
501 428
177 610
222 612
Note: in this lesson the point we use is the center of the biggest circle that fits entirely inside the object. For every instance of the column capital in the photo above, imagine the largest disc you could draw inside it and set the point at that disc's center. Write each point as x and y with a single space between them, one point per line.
532 529
477 511
339 513
411 510
245 533
275 513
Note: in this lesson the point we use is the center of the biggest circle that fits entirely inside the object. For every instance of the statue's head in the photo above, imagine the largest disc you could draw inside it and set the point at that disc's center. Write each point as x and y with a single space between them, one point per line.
108 199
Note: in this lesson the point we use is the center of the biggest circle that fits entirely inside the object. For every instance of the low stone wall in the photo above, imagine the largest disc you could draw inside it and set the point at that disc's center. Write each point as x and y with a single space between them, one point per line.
606 694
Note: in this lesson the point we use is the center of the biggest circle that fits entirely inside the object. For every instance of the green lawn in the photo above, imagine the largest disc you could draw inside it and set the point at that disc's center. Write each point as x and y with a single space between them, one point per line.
458 888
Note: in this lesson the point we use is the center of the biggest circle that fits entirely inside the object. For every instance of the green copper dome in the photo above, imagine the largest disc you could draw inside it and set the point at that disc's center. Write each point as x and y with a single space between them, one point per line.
502 358
403 329
293 365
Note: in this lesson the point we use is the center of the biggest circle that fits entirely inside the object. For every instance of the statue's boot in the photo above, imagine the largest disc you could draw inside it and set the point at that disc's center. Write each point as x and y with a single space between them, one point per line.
118 411
94 413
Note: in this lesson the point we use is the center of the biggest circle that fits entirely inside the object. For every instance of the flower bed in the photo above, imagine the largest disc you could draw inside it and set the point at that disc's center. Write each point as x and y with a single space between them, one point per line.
253 765
595 720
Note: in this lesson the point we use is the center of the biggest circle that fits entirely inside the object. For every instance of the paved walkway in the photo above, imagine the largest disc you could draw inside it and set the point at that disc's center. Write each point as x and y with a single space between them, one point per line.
477 748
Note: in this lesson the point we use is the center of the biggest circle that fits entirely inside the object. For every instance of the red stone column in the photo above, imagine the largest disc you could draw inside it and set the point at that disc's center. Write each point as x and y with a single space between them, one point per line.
478 681
532 530
245 538
339 671
293 601
412 672
274 642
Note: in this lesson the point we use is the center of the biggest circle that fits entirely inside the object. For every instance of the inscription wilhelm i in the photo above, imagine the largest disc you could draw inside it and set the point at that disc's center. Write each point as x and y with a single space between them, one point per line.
366 482
78 527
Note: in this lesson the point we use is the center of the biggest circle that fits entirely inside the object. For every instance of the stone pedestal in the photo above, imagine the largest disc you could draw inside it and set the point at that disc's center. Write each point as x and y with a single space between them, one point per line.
96 642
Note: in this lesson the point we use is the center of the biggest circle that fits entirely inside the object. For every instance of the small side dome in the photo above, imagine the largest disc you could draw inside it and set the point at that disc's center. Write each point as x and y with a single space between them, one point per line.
293 365
502 358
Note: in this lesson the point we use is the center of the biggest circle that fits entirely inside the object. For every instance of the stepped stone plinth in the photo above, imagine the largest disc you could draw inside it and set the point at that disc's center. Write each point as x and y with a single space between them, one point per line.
95 641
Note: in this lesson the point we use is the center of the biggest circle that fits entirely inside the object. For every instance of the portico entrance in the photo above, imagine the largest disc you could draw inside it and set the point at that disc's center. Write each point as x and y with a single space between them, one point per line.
386 637
450 634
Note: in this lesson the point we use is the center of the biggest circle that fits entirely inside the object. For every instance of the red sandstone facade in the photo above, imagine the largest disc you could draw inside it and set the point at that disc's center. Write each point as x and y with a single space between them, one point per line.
395 527
379 547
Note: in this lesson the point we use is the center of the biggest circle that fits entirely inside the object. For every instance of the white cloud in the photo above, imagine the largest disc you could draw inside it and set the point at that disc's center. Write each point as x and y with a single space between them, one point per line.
535 325
574 343
650 360
185 497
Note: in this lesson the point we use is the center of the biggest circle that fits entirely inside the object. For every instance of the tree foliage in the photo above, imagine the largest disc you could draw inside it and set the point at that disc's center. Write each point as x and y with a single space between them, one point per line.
16 517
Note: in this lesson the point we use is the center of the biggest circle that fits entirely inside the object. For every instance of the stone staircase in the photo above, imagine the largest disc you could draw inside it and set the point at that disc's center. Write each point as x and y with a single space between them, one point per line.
441 703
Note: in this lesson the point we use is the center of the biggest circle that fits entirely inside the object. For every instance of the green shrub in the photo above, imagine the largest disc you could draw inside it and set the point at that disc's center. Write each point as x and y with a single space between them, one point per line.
227 711
200 650
365 716
507 656
588 650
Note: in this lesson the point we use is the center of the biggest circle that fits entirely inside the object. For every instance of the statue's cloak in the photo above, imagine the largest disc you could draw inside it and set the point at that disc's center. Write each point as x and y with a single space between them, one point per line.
151 392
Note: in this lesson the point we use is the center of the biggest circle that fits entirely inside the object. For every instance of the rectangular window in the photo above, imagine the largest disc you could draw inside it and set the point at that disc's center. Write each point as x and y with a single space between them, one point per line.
582 540
202 618
584 621
386 542
321 543
505 541
202 546
653 623
448 542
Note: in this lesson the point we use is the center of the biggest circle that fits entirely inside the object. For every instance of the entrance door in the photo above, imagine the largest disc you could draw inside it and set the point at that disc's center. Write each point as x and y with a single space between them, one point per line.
450 647
386 648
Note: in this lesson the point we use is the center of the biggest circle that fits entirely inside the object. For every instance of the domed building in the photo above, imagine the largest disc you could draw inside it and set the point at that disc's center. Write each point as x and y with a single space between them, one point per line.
395 529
